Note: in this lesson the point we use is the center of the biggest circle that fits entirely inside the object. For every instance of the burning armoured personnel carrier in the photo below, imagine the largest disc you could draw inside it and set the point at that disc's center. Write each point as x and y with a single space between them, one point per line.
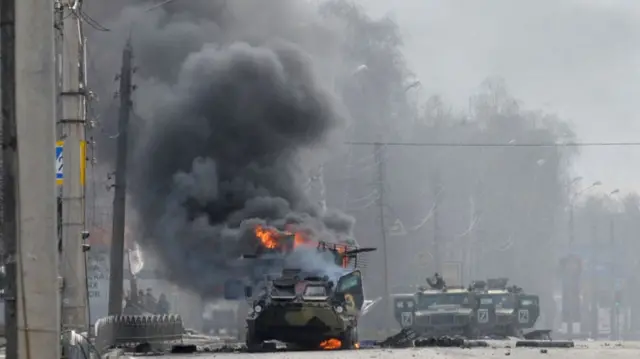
307 311
437 311
307 308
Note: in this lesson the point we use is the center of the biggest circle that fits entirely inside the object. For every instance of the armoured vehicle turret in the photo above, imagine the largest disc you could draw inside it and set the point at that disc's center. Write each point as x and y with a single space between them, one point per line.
270 257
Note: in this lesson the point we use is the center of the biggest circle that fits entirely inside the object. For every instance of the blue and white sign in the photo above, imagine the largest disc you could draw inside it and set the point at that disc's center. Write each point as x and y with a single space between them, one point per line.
59 173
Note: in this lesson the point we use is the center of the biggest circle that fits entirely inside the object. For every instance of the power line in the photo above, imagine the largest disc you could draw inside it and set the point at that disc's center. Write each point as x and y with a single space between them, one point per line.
454 144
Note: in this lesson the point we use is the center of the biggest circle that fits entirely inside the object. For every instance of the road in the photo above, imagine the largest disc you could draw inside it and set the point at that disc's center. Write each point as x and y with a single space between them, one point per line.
583 350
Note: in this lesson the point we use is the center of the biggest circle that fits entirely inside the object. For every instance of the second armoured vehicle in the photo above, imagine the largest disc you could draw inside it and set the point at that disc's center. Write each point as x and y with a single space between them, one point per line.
485 308
504 311
438 311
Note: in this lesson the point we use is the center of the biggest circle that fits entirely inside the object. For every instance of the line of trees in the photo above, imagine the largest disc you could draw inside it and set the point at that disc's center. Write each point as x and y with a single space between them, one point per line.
500 210
611 222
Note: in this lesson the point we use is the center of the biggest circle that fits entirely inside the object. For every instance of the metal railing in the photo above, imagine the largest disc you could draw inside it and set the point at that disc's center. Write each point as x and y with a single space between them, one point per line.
131 330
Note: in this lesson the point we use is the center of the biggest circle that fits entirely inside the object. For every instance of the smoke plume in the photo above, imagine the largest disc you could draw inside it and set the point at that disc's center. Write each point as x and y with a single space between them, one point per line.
236 119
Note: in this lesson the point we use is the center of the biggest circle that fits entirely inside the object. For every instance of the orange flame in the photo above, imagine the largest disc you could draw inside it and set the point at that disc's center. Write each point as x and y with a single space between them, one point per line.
270 239
356 345
268 236
299 240
331 344
345 259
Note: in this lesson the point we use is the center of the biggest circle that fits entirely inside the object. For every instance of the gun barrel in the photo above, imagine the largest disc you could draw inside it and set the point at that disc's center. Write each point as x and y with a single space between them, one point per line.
360 250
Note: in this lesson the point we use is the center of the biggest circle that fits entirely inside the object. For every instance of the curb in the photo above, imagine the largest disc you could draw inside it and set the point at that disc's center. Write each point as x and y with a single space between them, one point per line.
544 344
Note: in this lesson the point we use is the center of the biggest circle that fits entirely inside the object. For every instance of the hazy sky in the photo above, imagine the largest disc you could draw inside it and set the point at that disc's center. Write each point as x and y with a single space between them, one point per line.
577 58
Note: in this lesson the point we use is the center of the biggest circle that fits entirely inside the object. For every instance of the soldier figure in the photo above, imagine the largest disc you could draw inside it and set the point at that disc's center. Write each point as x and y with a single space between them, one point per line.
437 282
163 305
150 302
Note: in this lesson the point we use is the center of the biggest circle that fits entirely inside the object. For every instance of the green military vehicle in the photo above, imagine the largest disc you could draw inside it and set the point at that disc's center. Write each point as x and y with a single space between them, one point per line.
485 308
307 309
437 312
504 311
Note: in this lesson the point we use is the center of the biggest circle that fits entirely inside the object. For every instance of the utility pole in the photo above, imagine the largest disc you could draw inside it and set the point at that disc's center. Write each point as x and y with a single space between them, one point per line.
572 229
28 138
9 171
73 97
436 225
612 231
471 239
323 189
119 198
571 243
594 283
379 156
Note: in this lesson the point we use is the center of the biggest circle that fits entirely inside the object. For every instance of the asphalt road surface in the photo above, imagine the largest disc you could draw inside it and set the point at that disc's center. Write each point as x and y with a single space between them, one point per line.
583 350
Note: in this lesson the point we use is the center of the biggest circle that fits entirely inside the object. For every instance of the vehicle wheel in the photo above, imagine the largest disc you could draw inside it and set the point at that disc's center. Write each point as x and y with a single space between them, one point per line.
471 333
514 331
268 347
253 343
350 338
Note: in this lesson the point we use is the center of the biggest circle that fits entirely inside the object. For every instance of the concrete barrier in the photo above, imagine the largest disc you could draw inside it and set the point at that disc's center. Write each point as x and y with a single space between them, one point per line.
132 330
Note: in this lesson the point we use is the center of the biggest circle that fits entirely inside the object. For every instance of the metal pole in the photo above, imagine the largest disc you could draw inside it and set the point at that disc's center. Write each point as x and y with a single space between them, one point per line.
380 161
571 242
9 172
594 284
119 198
74 92
436 224
29 224
612 232
571 225
614 313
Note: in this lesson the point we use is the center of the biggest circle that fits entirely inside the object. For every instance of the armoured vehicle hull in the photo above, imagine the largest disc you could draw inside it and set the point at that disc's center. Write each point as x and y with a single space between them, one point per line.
301 324
308 313
453 322
484 309
308 305
505 312
433 313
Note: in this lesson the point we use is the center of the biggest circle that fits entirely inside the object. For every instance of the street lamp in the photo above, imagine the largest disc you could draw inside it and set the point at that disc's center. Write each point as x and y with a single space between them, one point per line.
359 69
412 85
572 201
612 233
576 180
615 311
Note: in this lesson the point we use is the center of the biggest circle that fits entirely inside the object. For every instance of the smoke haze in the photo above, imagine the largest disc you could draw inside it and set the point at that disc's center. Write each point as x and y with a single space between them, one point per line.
236 119
237 106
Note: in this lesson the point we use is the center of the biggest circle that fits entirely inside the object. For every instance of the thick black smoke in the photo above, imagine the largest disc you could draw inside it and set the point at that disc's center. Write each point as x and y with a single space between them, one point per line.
229 144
